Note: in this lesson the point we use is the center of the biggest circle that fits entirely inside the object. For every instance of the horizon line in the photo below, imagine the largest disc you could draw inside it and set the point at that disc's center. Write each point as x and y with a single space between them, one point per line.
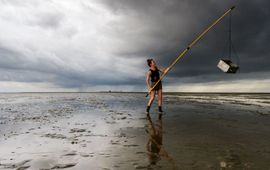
168 92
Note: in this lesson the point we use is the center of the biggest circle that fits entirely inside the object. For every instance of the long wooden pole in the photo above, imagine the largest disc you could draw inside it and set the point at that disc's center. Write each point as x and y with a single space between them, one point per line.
189 46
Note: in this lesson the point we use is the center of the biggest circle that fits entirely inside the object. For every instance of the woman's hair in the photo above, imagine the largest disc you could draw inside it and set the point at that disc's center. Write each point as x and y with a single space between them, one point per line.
149 61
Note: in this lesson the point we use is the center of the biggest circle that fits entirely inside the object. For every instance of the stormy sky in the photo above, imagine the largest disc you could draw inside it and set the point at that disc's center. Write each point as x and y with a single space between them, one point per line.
99 45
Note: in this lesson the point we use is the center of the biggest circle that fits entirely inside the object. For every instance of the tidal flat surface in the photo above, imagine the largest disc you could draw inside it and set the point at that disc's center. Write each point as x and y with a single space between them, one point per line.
81 131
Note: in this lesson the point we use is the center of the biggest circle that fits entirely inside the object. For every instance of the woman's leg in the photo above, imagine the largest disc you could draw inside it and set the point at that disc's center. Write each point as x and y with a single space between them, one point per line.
160 100
159 97
152 97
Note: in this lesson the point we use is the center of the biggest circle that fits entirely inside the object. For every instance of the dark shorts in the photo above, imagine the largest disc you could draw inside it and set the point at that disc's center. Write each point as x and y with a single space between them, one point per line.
158 86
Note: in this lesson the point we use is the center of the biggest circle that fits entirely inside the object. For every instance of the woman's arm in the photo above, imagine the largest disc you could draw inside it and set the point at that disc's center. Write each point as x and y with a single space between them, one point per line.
162 70
148 78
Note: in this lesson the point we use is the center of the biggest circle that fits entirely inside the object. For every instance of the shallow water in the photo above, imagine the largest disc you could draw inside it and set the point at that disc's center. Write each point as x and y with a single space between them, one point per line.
111 131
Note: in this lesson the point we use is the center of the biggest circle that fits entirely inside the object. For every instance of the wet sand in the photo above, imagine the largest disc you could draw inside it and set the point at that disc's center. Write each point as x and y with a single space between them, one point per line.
42 131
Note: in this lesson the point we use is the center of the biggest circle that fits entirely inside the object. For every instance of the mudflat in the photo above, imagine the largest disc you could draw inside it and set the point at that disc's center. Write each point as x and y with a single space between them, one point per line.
42 131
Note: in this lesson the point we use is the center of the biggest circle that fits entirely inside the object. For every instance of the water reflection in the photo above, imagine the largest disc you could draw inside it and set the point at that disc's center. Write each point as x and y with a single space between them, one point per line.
154 146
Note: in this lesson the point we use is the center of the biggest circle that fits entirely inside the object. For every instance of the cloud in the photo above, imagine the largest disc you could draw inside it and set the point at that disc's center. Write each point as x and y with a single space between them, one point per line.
167 27
86 45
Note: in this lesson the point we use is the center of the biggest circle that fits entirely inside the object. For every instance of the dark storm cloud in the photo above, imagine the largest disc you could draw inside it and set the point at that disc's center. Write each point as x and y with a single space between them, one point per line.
74 44
14 60
16 67
173 24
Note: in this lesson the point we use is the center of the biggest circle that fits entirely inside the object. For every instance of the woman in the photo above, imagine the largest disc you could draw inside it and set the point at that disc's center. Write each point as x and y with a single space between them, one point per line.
153 74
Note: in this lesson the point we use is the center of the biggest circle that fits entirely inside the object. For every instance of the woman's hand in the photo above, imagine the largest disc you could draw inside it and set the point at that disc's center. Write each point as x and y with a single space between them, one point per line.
166 70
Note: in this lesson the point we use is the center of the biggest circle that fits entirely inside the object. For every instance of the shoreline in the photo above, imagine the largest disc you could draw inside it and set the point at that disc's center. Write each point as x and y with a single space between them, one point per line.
101 92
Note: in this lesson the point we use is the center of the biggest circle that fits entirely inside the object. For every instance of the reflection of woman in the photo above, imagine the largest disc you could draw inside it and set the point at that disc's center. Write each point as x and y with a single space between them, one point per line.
154 145
155 139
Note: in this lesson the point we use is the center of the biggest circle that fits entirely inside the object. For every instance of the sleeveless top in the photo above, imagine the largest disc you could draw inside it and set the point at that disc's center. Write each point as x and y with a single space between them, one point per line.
154 75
